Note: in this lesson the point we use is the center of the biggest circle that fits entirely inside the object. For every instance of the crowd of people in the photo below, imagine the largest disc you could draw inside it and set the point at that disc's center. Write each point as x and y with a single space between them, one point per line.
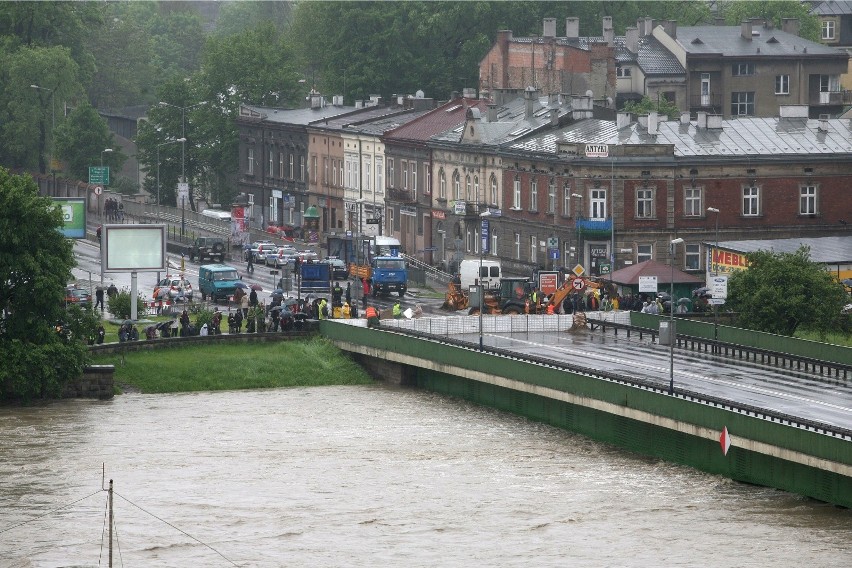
114 210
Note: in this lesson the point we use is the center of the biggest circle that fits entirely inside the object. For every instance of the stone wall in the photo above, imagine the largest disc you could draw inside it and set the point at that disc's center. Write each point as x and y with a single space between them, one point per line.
97 381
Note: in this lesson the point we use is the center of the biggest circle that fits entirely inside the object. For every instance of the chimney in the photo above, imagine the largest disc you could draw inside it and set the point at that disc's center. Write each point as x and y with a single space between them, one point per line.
549 27
702 119
718 21
684 118
790 25
316 99
745 29
645 25
670 26
823 123
491 114
631 39
622 120
581 106
529 97
653 123
572 28
608 33
554 117
469 93
714 121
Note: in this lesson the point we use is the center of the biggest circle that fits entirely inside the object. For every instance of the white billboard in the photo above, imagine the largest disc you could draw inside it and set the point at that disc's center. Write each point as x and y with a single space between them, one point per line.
133 248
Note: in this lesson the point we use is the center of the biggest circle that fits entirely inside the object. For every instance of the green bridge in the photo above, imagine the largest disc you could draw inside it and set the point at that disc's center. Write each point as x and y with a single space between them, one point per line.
680 429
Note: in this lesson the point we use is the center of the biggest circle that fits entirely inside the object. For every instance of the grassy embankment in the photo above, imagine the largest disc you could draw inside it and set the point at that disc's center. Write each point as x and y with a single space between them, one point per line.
212 367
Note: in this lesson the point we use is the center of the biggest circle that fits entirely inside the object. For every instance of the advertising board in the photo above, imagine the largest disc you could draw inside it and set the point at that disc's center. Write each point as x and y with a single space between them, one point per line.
73 216
133 248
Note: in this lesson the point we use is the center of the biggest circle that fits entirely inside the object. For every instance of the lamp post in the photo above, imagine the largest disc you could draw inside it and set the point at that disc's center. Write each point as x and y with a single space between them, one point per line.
483 245
714 273
673 244
577 224
183 132
52 121
158 168
104 151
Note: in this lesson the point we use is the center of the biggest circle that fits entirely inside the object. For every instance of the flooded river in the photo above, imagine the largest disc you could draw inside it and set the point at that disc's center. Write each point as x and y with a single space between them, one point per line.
371 476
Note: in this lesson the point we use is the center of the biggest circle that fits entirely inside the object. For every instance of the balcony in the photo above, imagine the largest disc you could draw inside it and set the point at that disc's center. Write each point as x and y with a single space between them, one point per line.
830 98
398 195
466 208
594 228
710 103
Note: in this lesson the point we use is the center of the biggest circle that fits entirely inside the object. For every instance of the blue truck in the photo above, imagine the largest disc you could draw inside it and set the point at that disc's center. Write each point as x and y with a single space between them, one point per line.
377 258
315 278
388 274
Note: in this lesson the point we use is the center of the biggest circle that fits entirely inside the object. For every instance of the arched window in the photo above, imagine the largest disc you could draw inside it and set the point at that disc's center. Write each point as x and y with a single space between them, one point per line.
493 189
476 187
467 188
457 185
442 181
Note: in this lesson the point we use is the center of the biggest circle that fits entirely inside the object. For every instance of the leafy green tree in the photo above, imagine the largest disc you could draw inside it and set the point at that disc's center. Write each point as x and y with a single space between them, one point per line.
773 10
646 105
81 139
238 17
785 292
35 263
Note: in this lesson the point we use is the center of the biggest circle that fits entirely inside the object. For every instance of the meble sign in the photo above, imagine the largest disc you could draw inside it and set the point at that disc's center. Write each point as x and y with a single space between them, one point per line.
597 151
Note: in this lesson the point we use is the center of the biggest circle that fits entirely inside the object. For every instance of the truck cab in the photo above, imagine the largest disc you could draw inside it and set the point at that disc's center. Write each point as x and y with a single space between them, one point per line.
389 274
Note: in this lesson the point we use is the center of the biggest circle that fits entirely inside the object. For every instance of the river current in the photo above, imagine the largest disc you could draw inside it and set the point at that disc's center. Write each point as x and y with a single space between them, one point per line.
371 476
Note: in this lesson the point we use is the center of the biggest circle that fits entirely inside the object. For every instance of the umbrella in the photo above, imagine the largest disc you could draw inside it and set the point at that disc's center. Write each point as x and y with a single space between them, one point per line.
277 293
240 285
847 282
683 301
257 287
701 292
290 302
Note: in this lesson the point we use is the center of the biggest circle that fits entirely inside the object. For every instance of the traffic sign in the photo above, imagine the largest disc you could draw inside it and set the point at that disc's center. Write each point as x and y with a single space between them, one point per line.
553 242
719 287
372 221
605 268
97 190
578 284
99 175
553 253
578 270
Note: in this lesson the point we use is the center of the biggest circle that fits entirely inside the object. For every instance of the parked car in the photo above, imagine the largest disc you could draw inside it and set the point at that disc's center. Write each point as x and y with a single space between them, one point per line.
281 257
258 251
284 232
339 270
308 256
78 296
173 288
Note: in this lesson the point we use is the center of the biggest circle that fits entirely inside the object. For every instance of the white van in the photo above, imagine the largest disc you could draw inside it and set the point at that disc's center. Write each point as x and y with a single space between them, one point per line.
471 273
217 214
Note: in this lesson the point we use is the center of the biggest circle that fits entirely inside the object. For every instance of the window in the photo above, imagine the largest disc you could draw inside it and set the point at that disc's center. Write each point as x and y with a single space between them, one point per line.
692 256
692 202
493 243
404 165
325 170
380 179
301 168
534 195
622 72
340 167
467 188
281 165
828 29
457 185
292 171
533 248
493 190
829 83
270 167
390 173
469 244
368 174
348 182
742 104
442 184
414 179
334 172
476 188
250 162
517 246
566 200
643 253
742 69
751 202
597 205
314 175
644 203
551 197
427 179
516 194
807 200
782 84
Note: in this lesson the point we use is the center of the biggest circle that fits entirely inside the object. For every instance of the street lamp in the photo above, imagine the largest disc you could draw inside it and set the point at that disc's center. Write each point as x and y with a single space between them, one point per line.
714 273
483 237
158 168
360 202
577 224
674 243
52 120
183 132
104 151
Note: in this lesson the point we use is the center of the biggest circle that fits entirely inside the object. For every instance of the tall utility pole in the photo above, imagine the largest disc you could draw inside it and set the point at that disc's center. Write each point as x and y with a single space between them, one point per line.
183 132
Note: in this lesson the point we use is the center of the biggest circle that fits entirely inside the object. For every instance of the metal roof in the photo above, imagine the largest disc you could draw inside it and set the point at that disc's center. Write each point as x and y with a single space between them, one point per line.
833 8
651 56
737 137
824 250
299 116
765 42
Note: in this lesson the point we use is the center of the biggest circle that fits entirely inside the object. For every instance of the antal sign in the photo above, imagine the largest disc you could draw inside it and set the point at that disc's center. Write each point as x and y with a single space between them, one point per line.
725 262
597 151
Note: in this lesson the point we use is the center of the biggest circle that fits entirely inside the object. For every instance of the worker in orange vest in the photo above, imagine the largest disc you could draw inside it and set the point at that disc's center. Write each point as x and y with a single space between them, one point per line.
372 317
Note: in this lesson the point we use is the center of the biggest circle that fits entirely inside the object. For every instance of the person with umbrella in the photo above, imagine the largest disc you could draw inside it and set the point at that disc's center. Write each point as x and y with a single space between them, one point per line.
253 297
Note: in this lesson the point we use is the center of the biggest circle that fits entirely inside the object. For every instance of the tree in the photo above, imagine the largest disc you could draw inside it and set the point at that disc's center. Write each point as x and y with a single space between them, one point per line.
35 263
773 11
784 292
646 105
81 139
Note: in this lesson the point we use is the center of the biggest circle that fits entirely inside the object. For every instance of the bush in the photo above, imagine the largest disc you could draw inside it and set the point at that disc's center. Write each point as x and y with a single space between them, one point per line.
119 305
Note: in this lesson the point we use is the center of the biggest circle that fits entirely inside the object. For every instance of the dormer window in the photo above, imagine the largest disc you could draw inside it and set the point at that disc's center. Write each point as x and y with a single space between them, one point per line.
623 72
